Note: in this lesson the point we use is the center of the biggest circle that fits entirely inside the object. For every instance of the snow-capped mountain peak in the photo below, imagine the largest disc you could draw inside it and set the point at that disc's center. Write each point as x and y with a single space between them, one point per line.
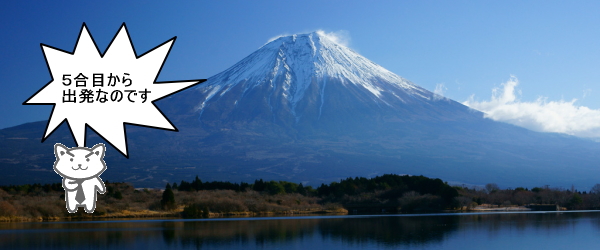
288 65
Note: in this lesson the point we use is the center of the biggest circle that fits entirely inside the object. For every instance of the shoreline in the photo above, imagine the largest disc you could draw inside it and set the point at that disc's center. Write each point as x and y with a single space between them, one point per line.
176 215
148 214
295 216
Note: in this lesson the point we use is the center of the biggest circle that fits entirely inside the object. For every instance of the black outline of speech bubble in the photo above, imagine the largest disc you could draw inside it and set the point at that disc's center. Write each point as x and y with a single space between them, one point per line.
123 26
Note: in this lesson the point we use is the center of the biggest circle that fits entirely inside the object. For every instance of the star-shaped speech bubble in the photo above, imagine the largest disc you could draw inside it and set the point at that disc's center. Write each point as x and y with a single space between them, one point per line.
105 91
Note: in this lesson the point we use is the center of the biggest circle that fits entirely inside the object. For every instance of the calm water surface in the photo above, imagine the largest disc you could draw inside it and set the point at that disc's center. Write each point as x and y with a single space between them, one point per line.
534 230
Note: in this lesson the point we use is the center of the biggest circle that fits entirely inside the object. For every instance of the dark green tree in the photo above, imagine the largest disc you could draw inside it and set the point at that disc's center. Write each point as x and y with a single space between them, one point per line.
575 201
184 186
275 188
301 190
197 184
289 187
259 185
168 198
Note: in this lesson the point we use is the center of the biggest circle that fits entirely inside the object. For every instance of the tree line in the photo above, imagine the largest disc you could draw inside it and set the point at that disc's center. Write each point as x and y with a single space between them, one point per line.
382 193
271 187
571 199
197 198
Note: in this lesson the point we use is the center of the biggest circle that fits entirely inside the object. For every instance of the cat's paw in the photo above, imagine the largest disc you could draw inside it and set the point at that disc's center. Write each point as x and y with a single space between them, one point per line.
69 184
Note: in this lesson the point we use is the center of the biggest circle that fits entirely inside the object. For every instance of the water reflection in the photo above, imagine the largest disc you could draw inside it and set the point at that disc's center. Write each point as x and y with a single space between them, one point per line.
244 232
390 230
358 231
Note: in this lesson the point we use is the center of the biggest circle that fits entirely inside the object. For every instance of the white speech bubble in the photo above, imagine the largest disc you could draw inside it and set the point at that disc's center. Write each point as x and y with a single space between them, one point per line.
106 91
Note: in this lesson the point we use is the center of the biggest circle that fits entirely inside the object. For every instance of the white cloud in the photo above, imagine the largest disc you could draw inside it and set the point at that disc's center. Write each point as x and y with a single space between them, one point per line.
439 92
541 115
277 36
341 37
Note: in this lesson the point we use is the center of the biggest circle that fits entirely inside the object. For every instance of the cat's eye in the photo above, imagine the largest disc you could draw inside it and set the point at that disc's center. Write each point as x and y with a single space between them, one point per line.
71 159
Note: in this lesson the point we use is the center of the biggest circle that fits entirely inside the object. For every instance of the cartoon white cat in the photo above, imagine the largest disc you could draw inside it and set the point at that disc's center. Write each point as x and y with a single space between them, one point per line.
80 168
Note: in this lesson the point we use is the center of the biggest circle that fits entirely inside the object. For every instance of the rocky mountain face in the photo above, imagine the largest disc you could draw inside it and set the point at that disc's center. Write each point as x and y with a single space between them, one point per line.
303 108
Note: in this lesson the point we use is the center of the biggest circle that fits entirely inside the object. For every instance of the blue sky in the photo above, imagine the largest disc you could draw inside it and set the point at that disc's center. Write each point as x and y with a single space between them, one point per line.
465 49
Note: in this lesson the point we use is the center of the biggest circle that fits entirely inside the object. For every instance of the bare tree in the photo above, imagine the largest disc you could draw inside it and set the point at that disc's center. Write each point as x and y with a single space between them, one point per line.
491 187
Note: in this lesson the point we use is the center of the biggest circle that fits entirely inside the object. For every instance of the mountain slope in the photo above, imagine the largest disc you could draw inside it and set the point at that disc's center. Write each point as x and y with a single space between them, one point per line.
303 82
305 109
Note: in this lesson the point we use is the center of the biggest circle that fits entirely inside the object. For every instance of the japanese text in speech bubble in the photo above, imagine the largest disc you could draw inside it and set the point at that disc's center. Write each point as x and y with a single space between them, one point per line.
106 90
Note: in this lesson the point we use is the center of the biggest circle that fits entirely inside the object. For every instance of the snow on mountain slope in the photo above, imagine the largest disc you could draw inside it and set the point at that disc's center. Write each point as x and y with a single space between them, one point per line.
305 109
289 65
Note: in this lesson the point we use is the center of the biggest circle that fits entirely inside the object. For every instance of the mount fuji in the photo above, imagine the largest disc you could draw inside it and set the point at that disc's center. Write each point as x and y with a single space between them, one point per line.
303 108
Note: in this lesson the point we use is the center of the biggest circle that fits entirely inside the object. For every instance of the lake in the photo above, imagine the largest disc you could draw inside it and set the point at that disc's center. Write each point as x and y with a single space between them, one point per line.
524 230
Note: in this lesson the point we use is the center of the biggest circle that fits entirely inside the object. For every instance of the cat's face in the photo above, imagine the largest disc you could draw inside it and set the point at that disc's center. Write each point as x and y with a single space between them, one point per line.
79 162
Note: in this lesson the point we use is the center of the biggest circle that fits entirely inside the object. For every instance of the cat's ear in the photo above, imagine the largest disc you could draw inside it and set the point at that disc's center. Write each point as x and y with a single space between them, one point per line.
60 150
99 150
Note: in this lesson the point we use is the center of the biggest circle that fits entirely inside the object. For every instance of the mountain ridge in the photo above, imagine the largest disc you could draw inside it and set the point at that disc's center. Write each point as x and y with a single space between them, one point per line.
280 114
292 79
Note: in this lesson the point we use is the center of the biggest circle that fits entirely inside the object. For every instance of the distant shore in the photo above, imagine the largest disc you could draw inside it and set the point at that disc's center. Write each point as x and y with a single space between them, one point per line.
387 194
